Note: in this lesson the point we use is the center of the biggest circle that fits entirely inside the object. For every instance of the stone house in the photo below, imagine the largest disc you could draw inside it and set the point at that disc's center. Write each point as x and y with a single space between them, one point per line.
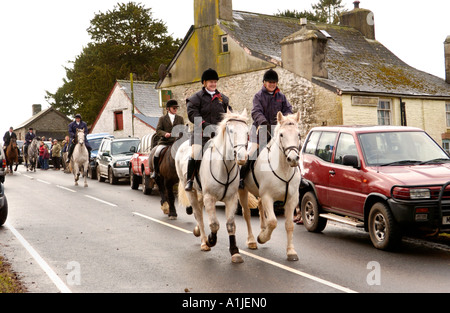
49 123
332 74
117 117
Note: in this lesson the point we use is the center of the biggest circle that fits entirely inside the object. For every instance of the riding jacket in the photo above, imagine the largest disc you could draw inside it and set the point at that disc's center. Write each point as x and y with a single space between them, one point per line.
165 126
7 138
266 107
73 131
209 109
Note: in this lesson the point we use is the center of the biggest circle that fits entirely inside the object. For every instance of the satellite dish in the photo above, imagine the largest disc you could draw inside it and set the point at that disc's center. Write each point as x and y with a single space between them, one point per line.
162 71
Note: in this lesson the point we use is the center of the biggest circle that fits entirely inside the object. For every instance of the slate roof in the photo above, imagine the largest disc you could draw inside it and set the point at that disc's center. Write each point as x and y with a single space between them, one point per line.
41 114
146 97
354 64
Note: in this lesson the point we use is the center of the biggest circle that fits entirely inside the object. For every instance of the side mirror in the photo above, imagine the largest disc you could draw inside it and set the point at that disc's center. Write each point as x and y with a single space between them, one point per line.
106 153
351 160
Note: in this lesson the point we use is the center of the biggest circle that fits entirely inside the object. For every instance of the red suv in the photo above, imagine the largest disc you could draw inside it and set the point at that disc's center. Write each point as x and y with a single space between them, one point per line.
383 178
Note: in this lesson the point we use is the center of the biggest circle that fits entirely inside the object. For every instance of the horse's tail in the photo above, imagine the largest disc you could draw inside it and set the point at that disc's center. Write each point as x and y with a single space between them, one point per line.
252 201
182 196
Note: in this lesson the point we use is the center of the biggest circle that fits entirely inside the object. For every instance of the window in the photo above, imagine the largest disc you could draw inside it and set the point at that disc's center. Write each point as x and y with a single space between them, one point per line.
446 146
224 41
346 146
118 120
311 145
326 146
384 112
447 113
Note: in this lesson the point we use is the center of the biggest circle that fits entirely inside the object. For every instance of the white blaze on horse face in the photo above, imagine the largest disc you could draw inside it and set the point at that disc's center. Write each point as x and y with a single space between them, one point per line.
290 143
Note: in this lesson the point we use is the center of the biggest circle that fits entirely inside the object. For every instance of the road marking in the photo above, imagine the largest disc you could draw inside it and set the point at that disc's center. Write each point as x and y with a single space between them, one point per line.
61 187
28 176
100 200
163 223
47 269
43 181
299 273
257 257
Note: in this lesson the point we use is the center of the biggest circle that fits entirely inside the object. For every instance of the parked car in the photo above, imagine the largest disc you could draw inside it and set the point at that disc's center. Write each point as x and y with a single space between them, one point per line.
3 205
2 165
113 159
139 166
95 140
383 179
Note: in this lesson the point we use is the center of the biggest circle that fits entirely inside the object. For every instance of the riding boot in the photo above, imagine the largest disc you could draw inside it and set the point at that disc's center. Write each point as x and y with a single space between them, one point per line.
190 174
155 167
69 155
243 173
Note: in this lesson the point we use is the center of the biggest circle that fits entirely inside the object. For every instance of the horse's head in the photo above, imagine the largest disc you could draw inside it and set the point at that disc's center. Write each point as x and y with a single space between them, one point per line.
235 132
289 137
80 136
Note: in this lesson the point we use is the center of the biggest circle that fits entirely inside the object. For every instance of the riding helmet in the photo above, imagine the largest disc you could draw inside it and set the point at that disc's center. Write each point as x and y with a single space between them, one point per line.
78 116
172 103
209 74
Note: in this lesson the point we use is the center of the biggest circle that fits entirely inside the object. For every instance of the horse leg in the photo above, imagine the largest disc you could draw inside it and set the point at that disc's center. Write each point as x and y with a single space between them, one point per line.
168 185
230 211
210 206
289 224
270 219
199 230
76 174
85 167
243 199
162 193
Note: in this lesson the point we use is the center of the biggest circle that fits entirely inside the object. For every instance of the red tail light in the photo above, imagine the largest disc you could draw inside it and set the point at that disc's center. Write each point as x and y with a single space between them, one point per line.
3 163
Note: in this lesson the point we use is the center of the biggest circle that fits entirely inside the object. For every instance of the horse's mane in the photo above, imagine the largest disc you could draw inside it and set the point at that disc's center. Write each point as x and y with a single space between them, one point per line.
222 126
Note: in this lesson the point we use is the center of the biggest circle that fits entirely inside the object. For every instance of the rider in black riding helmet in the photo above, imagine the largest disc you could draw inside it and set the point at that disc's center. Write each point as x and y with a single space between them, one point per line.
73 127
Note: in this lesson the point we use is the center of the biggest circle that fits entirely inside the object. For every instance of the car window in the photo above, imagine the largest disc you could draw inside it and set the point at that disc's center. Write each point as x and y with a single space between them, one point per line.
123 147
346 146
326 145
311 145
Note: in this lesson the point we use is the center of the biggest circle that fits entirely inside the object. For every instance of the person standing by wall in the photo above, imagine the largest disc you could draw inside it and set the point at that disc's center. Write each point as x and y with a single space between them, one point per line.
56 155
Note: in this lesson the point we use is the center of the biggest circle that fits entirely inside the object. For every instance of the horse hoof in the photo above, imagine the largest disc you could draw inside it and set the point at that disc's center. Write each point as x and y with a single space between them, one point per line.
172 218
237 258
260 241
165 208
196 231
292 257
212 240
204 247
85 185
252 246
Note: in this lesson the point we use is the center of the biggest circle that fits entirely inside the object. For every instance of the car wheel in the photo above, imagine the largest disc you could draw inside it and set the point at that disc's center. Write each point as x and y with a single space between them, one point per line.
99 176
112 179
4 213
384 231
134 180
146 184
311 213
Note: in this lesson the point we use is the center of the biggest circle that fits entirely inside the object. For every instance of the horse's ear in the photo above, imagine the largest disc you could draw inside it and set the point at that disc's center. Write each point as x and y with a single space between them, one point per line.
298 117
280 117
244 113
228 110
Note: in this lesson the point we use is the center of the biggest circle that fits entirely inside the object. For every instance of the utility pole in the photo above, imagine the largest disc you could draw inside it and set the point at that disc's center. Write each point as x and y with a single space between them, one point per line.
132 105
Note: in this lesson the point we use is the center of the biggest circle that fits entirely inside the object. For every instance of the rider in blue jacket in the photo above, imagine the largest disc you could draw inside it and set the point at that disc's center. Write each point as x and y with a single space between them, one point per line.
73 127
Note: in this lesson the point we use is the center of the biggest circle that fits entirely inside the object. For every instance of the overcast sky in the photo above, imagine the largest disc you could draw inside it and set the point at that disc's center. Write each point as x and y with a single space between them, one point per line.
38 38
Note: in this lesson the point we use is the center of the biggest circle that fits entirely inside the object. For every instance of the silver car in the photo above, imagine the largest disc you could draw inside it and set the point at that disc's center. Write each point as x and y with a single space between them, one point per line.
2 164
3 205
113 158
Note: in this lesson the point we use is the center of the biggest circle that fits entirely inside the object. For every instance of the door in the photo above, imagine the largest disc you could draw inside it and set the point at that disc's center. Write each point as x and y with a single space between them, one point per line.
345 182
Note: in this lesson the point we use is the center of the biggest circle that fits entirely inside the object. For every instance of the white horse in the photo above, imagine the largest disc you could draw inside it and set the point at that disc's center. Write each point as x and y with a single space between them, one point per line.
80 158
32 155
275 177
219 179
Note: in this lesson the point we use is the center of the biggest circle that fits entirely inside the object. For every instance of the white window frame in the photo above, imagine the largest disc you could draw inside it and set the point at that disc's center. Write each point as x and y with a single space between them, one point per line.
384 115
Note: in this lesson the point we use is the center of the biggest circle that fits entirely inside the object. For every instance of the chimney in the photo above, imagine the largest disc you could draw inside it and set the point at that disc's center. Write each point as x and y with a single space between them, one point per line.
207 12
303 53
447 59
36 108
360 19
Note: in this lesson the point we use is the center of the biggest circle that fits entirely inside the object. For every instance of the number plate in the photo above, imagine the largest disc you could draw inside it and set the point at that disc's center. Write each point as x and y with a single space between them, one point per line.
446 220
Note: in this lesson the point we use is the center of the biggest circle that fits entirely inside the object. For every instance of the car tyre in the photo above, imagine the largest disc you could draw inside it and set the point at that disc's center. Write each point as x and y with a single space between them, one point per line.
112 179
4 213
99 176
147 186
311 213
134 180
384 231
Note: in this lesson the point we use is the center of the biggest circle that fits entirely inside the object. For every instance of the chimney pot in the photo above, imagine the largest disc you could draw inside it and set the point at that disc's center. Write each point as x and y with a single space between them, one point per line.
356 4
303 21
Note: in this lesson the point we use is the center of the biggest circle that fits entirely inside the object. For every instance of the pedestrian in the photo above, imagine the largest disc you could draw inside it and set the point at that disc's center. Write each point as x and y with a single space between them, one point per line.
41 154
266 104
46 157
56 155
205 110
164 129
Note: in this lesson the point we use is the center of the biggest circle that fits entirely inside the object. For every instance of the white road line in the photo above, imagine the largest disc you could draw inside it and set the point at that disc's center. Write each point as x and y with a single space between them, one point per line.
47 269
273 263
100 200
28 176
43 181
61 187
164 223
